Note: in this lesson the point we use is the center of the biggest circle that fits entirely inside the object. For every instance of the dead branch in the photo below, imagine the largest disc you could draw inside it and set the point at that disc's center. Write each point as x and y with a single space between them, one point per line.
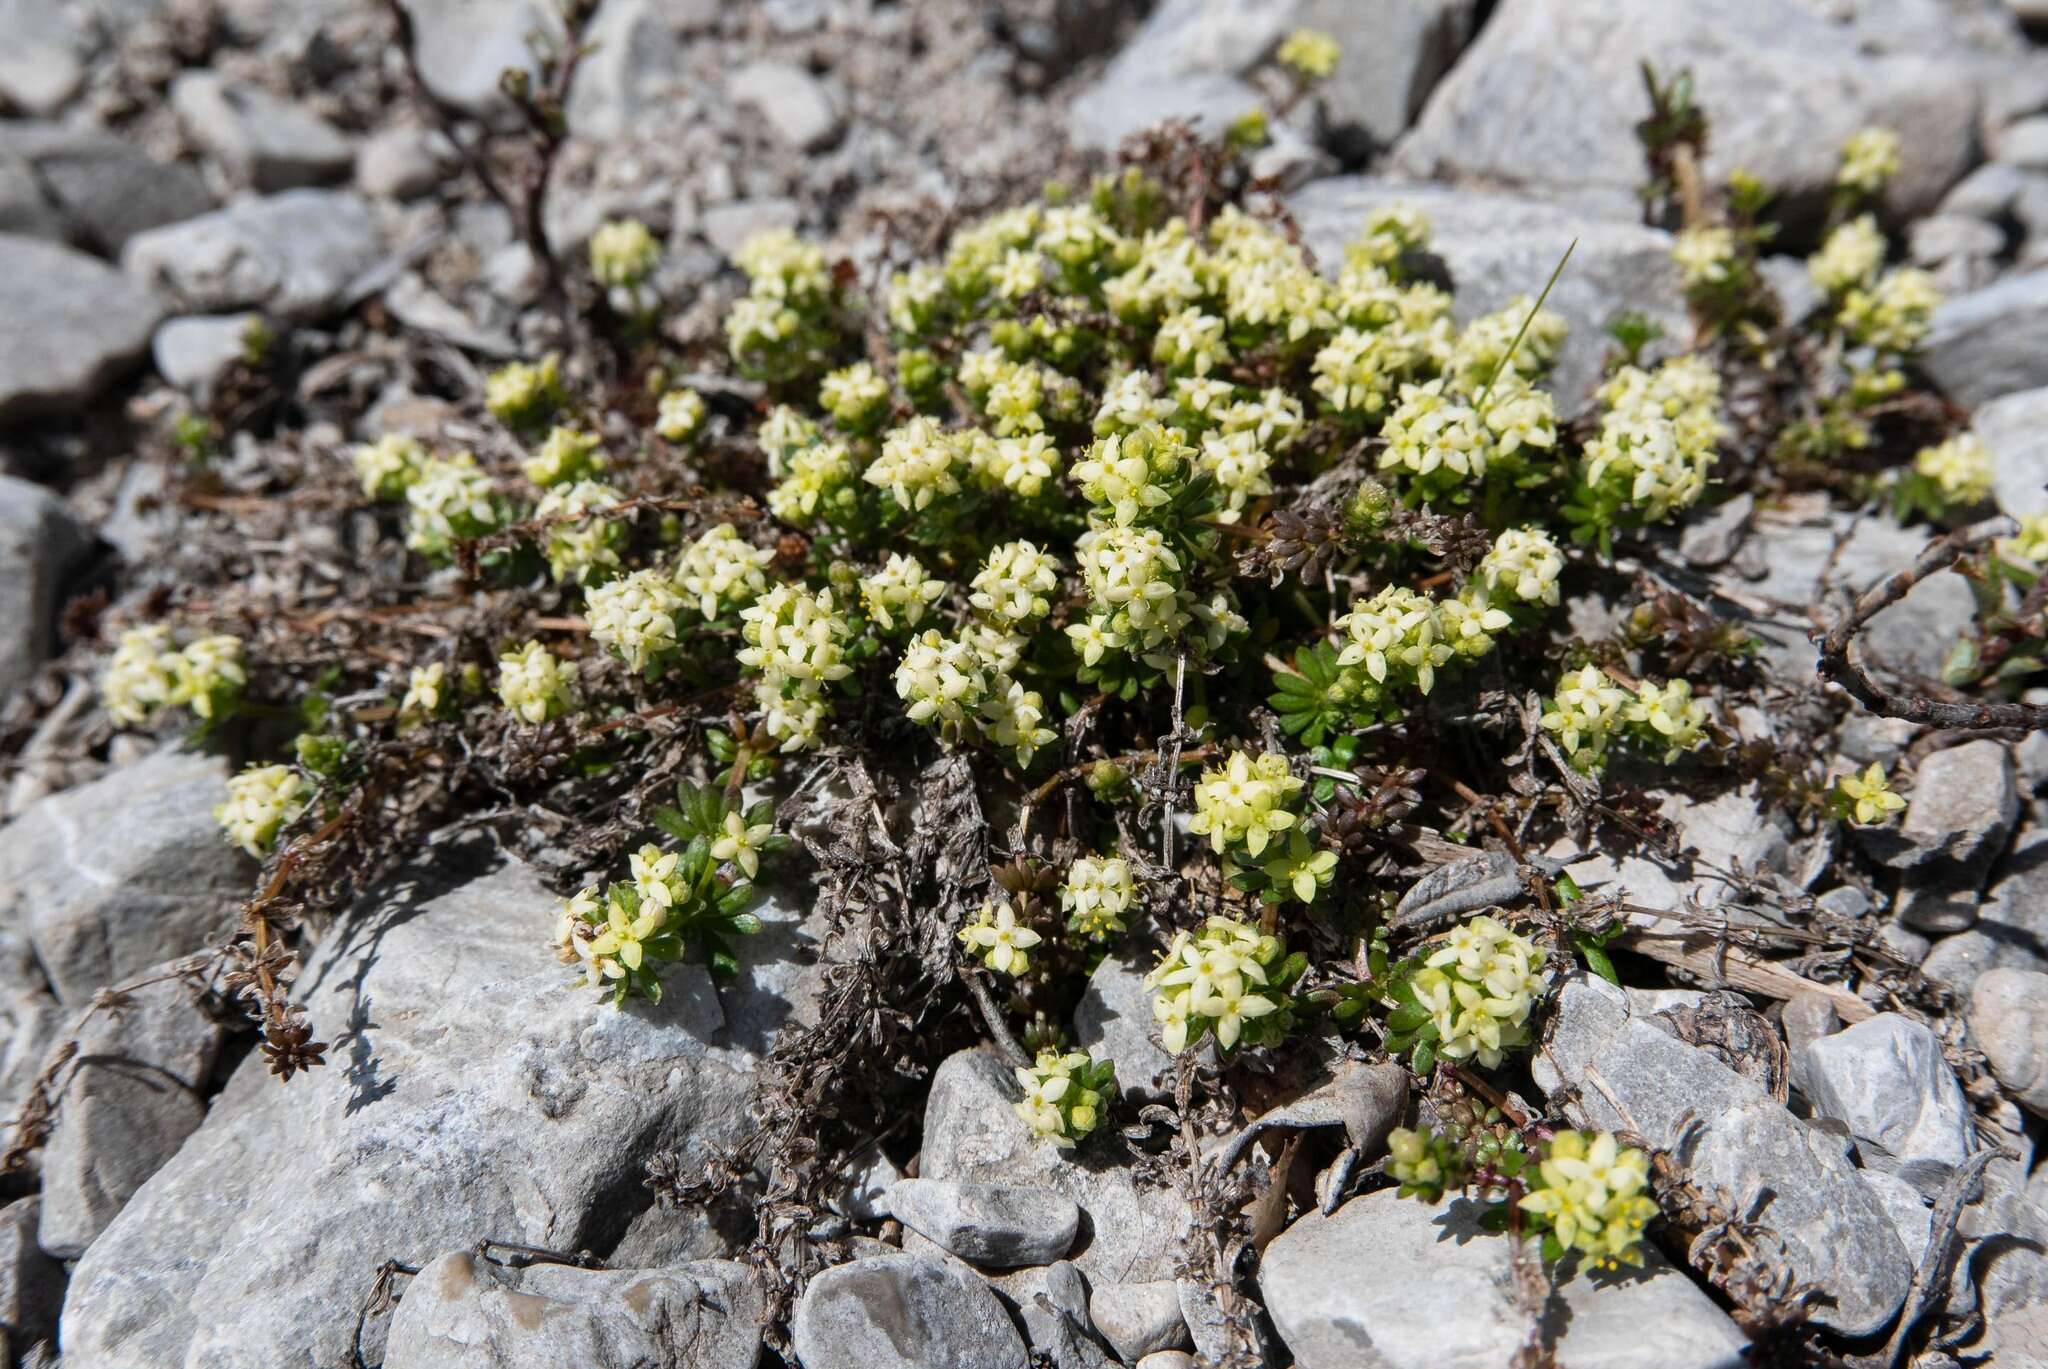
1838 666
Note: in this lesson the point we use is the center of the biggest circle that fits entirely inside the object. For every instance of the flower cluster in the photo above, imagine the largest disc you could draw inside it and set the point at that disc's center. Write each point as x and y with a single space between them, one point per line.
535 684
995 937
796 643
568 455
1227 979
1245 802
1850 259
1892 314
146 675
388 466
783 327
1657 444
1098 891
679 415
1869 159
524 394
1309 52
964 686
1065 1095
899 594
426 691
583 547
1589 1191
449 499
1589 710
1960 470
635 617
623 254
1477 991
720 572
261 802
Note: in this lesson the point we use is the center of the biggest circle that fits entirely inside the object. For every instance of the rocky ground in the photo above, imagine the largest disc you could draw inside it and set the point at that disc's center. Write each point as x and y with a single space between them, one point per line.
1854 1068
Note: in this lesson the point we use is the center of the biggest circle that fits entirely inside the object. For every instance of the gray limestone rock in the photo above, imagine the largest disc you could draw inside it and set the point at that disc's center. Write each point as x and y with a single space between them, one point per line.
2015 428
257 139
2009 1023
97 190
1499 246
1886 1078
31 1283
460 1312
41 544
1990 342
903 1312
469 1094
796 104
1398 1284
74 326
996 1226
1139 1319
295 254
1835 1232
134 1092
99 911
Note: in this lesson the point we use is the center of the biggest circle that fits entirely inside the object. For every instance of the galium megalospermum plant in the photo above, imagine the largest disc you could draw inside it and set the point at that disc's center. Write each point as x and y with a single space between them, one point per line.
1066 1095
693 897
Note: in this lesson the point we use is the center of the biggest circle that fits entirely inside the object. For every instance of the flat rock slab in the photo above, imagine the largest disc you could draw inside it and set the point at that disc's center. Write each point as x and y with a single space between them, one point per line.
100 910
74 325
294 254
1886 1079
134 1092
468 1095
98 188
1128 1234
41 544
903 1312
460 1312
1991 342
997 1226
1501 246
1393 1283
1836 1233
1547 97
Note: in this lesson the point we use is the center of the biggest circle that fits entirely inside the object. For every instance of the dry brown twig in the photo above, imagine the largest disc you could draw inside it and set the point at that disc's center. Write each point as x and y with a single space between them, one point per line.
1839 666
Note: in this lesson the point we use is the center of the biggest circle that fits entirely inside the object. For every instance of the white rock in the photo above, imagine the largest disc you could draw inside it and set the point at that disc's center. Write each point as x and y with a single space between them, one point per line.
465 45
100 911
136 1090
468 1092
1128 1234
194 352
1886 1078
294 254
1393 54
1114 1021
258 139
1906 1207
1548 96
1139 1319
1398 1284
402 163
1990 342
996 1226
793 101
2009 1023
460 1312
41 544
903 1312
2015 428
1836 1234
74 326
31 1283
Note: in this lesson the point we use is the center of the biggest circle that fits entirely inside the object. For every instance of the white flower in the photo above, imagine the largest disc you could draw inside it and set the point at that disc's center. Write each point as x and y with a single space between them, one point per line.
997 939
449 500
425 688
900 592
680 416
635 616
720 571
534 684
740 842
1012 584
139 678
261 801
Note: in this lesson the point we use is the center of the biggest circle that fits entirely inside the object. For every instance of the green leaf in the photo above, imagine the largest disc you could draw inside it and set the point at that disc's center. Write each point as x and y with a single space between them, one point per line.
745 924
1425 1057
1597 960
1494 1217
1407 1018
673 823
